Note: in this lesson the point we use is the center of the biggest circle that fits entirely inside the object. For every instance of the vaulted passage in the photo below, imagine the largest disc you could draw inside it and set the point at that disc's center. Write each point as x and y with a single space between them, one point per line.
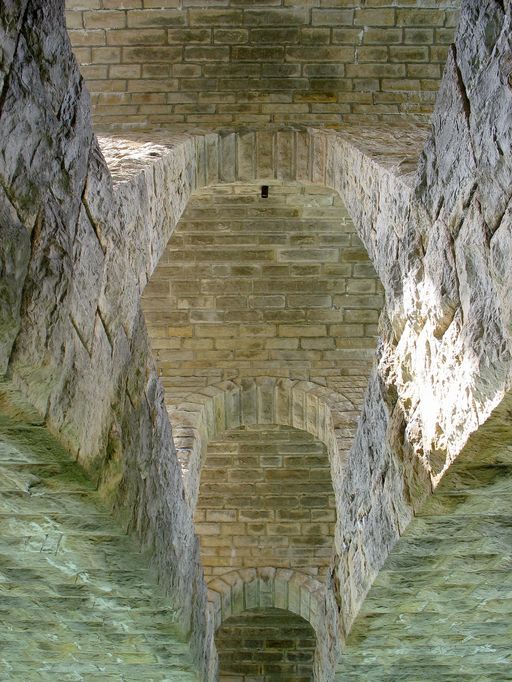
78 600
262 315
266 645
250 286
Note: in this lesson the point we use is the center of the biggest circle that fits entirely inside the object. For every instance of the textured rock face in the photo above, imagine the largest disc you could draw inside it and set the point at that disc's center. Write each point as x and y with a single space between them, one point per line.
440 607
450 336
72 335
438 243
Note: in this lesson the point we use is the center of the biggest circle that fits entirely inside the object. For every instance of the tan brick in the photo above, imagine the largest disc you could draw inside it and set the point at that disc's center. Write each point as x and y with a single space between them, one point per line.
104 19
141 37
185 36
156 18
106 55
332 17
74 20
302 330
124 71
76 5
206 53
215 17
420 17
374 17
151 54
409 54
86 38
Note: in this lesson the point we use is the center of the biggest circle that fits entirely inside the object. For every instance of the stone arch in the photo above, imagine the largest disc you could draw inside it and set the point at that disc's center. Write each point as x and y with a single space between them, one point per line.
292 153
166 169
329 416
232 593
287 154
199 415
264 644
236 591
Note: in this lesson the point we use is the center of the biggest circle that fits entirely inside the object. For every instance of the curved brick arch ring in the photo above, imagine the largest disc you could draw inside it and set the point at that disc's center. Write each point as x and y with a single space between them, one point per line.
167 169
232 593
237 591
295 153
328 416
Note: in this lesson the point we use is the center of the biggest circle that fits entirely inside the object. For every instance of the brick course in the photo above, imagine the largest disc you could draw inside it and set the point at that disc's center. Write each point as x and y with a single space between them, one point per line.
263 645
266 499
264 287
234 62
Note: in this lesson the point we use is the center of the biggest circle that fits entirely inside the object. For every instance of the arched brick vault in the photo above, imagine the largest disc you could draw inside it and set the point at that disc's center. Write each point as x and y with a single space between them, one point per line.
404 222
234 592
325 414
265 641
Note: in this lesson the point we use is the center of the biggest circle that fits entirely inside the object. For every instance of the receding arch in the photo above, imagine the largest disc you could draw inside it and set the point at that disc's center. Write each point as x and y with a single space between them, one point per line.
266 644
327 415
324 404
236 591
205 411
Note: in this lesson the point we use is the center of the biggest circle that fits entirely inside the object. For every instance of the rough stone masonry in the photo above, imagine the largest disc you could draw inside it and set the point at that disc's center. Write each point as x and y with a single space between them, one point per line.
79 243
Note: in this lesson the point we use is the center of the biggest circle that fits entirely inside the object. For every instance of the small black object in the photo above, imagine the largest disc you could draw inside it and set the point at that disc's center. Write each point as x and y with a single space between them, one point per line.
264 191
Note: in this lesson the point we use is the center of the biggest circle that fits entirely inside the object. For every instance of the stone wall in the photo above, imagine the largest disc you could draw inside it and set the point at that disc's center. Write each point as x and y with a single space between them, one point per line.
251 286
80 600
231 61
445 588
266 499
73 337
440 242
265 645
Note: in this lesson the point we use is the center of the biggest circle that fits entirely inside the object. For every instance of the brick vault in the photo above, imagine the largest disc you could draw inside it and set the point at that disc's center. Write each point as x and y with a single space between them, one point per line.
255 340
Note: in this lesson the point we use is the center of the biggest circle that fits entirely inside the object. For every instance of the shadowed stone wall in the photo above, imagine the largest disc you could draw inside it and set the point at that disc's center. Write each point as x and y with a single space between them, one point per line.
79 598
266 645
231 61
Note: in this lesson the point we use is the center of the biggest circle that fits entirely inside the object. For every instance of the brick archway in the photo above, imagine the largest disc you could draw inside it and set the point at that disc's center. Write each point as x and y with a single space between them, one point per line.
327 415
200 414
232 593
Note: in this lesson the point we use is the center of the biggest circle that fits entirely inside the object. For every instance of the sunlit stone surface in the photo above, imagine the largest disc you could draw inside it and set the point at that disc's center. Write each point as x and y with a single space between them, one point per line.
441 608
